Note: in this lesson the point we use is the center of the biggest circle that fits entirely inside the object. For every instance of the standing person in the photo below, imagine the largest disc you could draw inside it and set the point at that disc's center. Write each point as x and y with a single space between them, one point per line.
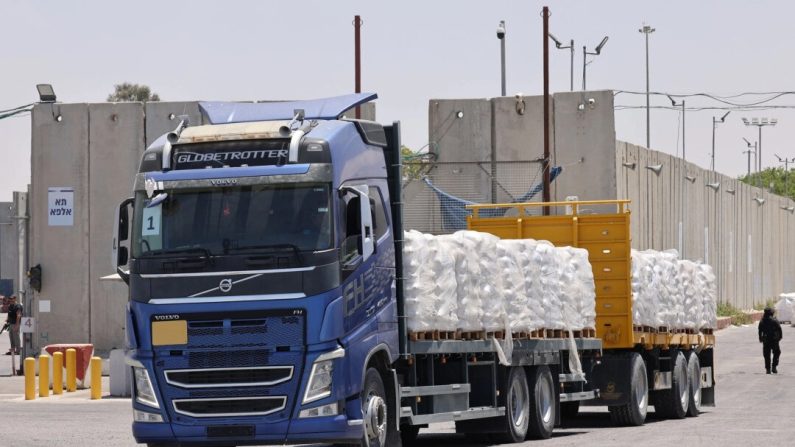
769 335
13 319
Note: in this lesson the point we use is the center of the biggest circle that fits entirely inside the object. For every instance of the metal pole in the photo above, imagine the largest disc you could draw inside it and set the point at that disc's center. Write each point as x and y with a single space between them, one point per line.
682 201
502 59
571 65
545 166
748 175
712 162
21 209
357 25
648 115
759 153
583 67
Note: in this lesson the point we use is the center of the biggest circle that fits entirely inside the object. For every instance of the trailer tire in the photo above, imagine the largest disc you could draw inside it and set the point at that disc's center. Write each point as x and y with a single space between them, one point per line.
517 407
673 403
542 403
694 379
634 412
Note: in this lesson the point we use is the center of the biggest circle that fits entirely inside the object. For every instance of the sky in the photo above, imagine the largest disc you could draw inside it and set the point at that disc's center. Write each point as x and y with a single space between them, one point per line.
412 51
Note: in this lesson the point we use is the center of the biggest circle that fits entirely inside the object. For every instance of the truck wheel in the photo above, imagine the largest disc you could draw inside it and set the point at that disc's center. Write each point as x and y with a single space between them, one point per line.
673 403
517 407
375 411
569 410
634 412
694 376
542 403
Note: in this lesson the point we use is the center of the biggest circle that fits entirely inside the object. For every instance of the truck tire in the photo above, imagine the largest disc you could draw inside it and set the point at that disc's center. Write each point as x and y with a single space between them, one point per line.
517 407
634 412
375 412
408 434
673 403
542 403
694 379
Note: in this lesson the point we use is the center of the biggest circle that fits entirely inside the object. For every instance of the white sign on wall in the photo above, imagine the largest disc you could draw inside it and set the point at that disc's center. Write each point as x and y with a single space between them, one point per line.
27 325
60 206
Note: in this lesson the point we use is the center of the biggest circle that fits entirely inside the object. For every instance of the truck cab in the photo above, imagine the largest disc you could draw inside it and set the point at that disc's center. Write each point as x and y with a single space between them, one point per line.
259 253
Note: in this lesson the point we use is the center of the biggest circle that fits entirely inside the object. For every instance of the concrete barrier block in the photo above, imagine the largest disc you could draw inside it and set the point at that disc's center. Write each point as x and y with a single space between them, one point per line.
120 375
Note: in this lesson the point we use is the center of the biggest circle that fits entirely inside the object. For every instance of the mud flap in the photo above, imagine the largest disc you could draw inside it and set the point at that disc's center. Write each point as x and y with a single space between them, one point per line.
613 377
707 360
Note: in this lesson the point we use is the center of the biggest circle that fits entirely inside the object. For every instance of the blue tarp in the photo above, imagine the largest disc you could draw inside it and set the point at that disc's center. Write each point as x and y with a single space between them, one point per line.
454 212
243 112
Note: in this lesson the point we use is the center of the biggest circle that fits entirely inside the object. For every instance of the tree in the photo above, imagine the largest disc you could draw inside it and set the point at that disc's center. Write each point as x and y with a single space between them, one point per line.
783 183
416 164
127 92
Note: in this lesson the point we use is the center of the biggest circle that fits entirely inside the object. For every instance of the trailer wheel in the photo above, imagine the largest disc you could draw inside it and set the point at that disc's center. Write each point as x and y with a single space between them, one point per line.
673 403
634 412
375 410
517 406
542 403
694 376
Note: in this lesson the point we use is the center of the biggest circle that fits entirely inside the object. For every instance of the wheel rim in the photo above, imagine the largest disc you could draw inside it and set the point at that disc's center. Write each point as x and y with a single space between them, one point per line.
375 418
519 401
641 391
544 399
684 396
695 384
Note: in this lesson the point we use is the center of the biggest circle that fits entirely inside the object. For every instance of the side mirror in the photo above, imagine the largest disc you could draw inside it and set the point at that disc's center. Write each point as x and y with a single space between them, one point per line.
121 233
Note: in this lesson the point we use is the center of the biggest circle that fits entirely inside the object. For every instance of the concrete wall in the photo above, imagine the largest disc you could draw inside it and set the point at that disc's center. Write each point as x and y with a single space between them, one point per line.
745 240
9 244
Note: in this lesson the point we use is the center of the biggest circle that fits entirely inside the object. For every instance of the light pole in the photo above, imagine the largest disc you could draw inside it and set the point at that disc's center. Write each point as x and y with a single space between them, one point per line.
570 47
760 123
786 162
714 126
585 53
501 37
647 30
749 152
682 181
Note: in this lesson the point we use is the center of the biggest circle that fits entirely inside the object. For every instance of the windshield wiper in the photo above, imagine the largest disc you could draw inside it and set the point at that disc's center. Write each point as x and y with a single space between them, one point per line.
163 252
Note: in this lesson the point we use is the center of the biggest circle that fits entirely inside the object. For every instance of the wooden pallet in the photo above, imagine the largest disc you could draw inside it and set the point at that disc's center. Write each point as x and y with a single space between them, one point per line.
473 335
499 335
585 333
434 335
707 331
663 329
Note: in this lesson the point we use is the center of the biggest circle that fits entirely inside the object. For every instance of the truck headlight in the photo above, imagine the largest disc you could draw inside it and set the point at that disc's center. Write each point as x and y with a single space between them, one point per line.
319 385
144 392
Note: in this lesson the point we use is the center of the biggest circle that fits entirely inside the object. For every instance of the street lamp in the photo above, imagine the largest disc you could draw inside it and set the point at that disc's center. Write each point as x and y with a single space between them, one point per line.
647 30
585 53
501 37
46 93
760 123
749 152
714 126
571 64
685 177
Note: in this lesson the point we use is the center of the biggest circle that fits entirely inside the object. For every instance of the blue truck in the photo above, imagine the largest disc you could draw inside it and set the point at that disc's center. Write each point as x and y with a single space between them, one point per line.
263 254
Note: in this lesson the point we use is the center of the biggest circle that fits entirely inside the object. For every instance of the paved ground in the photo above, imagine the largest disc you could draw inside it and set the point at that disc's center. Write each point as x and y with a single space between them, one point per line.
753 409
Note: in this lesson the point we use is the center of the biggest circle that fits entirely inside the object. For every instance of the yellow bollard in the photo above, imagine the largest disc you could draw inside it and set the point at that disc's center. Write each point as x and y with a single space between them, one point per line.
44 375
71 370
57 373
30 378
96 378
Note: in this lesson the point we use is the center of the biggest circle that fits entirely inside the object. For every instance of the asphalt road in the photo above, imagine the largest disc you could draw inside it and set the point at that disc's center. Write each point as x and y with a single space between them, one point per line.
753 409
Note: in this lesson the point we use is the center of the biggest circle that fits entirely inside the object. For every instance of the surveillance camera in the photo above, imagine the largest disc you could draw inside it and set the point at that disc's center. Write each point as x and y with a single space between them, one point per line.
591 101
501 30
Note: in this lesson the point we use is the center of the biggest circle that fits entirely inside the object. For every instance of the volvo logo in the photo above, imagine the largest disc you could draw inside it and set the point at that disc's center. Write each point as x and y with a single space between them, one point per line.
225 285
166 317
224 182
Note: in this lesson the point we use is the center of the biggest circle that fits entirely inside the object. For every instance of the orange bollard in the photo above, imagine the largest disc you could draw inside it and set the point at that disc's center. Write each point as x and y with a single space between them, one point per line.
44 375
96 378
30 378
71 370
57 373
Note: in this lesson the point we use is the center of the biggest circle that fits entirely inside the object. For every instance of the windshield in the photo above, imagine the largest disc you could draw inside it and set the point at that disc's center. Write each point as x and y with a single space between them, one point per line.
216 221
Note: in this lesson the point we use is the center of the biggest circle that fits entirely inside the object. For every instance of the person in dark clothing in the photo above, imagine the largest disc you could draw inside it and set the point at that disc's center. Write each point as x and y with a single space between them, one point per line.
769 335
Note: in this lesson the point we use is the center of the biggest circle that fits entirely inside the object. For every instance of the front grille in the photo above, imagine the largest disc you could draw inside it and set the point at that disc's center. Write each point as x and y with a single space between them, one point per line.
239 406
229 377
233 359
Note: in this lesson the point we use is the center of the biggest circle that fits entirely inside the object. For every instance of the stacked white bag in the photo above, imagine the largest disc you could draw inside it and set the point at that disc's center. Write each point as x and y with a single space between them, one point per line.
474 281
668 291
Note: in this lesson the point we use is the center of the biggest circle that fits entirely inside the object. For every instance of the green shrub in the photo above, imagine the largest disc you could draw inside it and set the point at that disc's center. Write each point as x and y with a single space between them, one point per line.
738 317
771 303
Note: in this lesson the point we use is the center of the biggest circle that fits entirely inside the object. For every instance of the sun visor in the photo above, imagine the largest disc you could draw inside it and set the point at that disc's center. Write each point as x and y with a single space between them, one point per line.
242 112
